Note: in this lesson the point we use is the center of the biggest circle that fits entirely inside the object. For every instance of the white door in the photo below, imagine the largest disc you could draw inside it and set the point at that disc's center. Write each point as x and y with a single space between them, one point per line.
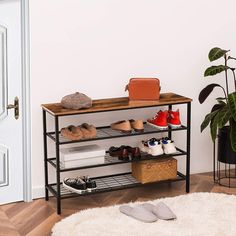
11 158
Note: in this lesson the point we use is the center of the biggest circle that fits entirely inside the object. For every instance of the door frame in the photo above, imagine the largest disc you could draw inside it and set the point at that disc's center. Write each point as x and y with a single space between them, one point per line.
26 105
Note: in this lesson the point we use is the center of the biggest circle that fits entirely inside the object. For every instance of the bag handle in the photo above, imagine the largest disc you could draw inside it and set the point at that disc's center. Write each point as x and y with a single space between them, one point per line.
127 88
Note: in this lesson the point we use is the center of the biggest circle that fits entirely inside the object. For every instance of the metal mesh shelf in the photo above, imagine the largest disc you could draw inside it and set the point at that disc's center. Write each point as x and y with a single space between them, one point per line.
108 183
115 161
106 133
104 184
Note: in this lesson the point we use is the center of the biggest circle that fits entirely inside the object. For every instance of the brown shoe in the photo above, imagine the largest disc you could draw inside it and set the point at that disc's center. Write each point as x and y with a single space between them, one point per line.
123 126
88 131
137 125
125 152
134 153
72 133
124 156
120 152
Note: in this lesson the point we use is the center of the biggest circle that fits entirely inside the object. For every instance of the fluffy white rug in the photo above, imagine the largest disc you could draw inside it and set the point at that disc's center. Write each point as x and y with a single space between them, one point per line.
198 214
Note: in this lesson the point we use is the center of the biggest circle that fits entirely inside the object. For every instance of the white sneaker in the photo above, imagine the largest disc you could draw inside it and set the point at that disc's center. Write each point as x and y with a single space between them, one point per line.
143 146
168 146
155 147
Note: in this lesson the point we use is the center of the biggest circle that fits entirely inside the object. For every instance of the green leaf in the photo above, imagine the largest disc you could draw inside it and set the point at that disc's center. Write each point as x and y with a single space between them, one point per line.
216 53
233 134
224 116
222 103
220 99
213 70
218 106
206 92
207 120
213 127
232 104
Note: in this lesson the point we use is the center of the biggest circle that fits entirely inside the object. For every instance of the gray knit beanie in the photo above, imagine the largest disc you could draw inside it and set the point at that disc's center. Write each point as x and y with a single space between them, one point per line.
76 101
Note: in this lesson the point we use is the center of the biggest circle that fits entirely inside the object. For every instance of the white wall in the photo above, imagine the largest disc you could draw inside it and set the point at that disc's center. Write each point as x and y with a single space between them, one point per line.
96 46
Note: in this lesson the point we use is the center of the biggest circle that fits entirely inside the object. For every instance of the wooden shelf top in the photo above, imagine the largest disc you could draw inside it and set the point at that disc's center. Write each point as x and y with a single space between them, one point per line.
112 104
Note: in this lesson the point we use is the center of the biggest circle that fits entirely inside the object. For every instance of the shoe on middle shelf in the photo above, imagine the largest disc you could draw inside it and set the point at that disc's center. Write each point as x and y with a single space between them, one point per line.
168 146
143 146
125 153
120 152
134 153
155 147
152 146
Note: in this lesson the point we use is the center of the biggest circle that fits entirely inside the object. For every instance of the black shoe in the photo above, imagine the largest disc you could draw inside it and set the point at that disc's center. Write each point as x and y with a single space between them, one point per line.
76 185
90 184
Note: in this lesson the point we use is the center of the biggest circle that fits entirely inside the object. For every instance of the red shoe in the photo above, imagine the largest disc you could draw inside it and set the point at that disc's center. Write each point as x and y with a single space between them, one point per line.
159 120
173 119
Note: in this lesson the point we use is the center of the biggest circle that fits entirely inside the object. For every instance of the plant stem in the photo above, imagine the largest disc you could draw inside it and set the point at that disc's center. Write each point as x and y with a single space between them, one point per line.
234 79
224 93
233 58
226 75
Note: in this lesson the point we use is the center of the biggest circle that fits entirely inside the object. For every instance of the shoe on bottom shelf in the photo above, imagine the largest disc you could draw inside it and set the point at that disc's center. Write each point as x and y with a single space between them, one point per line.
90 184
168 146
76 185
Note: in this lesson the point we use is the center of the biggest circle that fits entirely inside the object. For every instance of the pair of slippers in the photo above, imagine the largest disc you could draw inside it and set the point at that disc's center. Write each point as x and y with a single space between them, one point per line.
148 212
84 131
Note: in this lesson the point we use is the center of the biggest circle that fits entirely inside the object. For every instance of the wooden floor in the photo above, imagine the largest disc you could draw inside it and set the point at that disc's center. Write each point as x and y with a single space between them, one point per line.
38 217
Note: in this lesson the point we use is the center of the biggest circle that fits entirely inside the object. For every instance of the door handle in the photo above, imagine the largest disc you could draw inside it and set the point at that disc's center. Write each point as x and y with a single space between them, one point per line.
15 107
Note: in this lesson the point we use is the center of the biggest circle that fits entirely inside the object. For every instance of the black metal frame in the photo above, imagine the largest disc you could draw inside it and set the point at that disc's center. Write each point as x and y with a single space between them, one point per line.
217 172
57 190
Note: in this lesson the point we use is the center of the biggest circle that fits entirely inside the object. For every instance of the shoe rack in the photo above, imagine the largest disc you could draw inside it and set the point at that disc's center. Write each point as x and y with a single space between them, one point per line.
111 182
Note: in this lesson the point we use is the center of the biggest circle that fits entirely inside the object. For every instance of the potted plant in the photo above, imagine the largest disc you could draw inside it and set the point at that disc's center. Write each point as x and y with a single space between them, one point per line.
222 117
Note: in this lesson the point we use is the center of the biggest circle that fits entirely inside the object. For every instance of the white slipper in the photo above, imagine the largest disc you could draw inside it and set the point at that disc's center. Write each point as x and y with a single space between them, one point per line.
138 213
161 210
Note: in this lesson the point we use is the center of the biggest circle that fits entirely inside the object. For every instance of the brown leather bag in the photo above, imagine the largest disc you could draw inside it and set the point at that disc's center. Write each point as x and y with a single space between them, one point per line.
143 89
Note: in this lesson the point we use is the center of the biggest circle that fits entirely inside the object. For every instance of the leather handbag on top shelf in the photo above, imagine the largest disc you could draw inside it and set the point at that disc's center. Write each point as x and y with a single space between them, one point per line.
143 89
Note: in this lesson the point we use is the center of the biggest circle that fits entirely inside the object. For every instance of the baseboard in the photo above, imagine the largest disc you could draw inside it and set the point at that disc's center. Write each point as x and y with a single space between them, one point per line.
38 192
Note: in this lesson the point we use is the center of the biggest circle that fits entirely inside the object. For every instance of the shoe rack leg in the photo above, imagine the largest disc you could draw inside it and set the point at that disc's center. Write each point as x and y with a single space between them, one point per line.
169 132
188 147
58 166
45 153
